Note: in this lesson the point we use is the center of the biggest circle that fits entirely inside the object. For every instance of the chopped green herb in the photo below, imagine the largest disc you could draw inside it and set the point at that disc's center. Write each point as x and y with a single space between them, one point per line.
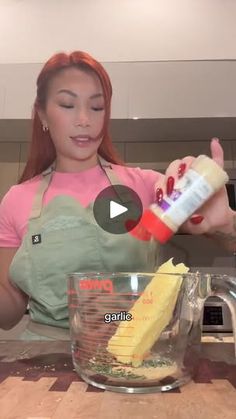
154 363
116 373
106 364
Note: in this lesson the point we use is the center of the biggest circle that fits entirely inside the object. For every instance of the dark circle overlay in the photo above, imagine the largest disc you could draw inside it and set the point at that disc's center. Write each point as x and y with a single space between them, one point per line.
122 223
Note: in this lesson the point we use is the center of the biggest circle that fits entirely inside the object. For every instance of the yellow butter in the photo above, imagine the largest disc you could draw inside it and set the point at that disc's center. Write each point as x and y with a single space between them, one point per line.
151 313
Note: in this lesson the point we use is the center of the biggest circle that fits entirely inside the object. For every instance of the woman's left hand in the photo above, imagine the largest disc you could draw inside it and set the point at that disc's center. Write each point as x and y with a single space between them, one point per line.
215 213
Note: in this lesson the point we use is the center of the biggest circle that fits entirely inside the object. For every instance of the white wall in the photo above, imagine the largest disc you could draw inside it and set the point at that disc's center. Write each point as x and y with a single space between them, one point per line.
118 30
135 40
144 90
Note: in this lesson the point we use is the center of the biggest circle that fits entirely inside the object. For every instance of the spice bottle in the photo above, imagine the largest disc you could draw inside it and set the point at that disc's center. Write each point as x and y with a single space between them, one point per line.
203 179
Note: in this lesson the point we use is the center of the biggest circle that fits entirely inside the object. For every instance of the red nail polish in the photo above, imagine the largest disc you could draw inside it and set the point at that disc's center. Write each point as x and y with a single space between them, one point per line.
159 195
196 219
181 170
130 224
170 185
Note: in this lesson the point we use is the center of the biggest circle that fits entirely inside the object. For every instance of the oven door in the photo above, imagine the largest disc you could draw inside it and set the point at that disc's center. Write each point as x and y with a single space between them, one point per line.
216 316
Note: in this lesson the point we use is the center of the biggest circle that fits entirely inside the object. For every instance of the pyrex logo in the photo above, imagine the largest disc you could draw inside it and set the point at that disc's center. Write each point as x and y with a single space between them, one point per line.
97 284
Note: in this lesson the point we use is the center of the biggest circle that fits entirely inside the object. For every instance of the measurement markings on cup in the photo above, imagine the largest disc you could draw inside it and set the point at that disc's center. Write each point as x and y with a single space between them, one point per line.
98 339
92 292
91 323
114 294
111 317
78 304
105 284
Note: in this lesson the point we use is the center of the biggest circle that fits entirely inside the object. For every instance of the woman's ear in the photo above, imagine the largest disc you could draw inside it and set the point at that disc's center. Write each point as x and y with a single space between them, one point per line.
43 119
41 115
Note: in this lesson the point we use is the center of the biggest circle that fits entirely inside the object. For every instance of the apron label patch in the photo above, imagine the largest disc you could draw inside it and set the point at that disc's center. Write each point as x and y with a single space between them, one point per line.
36 239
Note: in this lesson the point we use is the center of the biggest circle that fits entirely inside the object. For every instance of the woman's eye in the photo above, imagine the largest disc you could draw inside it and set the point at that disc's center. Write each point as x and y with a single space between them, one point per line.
97 109
66 106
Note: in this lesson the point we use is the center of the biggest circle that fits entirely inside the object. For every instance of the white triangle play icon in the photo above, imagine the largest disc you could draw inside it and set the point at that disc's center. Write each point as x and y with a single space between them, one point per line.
116 209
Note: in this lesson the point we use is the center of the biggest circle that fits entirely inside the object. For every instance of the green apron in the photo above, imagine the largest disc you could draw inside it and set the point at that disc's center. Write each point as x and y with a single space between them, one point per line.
63 237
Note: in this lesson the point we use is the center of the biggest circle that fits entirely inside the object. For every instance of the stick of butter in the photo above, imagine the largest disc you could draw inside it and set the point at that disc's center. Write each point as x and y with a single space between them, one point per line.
151 313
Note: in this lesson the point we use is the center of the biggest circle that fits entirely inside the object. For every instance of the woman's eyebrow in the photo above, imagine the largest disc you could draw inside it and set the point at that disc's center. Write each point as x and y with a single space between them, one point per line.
69 92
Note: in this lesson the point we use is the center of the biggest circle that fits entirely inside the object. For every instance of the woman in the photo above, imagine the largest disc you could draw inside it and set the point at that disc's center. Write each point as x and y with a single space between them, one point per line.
47 228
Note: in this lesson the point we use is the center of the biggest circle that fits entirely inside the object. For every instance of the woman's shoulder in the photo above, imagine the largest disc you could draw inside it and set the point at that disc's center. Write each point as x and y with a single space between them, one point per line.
30 182
19 192
27 184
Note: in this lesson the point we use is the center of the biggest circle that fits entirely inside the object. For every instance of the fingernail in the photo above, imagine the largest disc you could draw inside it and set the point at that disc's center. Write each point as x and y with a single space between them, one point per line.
196 219
216 139
159 195
130 224
181 170
170 185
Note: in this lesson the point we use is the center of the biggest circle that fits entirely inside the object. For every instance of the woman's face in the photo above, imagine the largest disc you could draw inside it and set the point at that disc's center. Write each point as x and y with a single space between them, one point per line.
74 114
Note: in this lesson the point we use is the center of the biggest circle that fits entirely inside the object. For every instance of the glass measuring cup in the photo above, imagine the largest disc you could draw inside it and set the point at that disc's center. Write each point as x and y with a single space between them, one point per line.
128 337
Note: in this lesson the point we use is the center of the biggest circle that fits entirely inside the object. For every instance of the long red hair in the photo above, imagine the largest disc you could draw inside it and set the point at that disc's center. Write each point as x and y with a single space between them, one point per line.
42 151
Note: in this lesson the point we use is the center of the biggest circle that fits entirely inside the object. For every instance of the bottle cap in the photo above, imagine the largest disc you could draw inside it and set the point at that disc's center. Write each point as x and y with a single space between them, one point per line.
156 227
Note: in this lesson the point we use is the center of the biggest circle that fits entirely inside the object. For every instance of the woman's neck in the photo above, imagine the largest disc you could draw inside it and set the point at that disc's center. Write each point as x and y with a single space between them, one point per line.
73 166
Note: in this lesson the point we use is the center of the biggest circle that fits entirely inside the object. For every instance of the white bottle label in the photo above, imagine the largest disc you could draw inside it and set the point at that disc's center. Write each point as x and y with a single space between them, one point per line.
189 194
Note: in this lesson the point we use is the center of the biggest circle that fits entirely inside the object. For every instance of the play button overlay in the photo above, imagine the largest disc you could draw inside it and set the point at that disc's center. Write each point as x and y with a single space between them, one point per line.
117 209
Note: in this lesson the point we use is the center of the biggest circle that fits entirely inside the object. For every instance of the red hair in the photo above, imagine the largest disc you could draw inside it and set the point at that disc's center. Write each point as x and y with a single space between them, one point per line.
42 151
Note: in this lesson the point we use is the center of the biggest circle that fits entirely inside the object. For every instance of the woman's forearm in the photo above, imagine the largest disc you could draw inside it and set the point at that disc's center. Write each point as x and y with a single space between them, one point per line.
13 305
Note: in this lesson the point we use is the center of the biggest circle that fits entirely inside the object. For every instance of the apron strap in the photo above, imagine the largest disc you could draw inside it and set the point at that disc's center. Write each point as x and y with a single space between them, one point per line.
123 195
37 203
47 176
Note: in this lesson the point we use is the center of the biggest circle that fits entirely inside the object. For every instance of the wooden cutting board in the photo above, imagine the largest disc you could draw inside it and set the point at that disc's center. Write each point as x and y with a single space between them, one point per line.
38 381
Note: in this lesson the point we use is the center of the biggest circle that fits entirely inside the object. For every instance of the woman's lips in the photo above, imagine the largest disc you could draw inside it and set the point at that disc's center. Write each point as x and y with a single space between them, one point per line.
82 141
81 137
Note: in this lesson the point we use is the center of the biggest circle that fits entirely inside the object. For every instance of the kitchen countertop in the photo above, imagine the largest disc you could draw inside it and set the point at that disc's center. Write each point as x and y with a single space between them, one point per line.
38 381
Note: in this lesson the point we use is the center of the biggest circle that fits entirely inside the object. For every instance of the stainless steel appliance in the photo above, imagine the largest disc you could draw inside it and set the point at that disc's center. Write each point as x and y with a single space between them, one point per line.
216 316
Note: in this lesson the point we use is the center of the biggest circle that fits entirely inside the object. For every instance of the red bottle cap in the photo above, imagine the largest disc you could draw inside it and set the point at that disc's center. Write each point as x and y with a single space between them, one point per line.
156 227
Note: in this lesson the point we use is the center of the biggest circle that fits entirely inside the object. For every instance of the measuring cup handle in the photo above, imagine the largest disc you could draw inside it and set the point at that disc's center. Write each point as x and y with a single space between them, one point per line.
224 286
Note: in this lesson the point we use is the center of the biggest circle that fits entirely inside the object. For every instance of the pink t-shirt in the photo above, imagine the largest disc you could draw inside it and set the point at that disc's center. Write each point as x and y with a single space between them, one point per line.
16 205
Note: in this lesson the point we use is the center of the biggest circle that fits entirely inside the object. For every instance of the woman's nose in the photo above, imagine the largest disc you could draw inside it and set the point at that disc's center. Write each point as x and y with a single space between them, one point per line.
82 118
